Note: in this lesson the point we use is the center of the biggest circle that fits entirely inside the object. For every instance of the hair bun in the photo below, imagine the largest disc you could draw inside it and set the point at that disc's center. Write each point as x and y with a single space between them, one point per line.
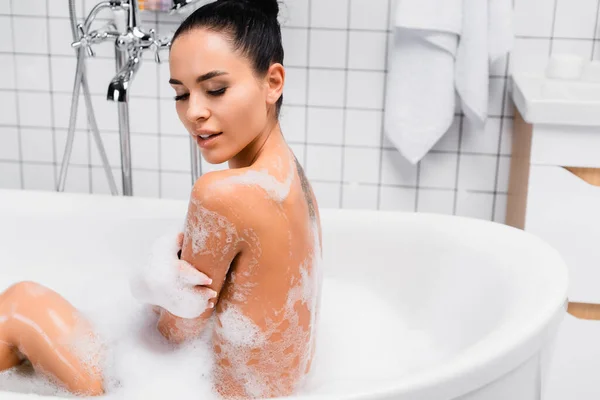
269 7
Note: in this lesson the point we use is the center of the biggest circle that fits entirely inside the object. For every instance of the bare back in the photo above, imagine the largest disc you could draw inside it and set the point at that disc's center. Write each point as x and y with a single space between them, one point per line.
266 314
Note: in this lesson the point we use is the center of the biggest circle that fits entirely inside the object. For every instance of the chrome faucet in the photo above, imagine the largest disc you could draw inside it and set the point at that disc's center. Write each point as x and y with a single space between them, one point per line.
132 43
129 48
119 85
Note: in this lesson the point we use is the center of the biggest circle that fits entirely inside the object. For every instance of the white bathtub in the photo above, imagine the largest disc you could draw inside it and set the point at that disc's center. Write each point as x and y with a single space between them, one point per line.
492 297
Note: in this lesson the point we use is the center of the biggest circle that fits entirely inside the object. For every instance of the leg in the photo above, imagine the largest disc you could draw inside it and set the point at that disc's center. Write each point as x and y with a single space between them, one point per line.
53 336
8 357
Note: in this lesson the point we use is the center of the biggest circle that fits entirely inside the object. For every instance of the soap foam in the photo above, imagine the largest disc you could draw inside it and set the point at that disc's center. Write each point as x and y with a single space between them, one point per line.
170 283
275 189
361 342
266 361
205 226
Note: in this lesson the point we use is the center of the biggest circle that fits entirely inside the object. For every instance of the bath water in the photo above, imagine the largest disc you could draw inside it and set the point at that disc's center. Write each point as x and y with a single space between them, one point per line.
361 343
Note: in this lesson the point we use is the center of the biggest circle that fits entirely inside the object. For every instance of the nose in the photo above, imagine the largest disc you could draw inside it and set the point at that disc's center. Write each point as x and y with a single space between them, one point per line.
197 109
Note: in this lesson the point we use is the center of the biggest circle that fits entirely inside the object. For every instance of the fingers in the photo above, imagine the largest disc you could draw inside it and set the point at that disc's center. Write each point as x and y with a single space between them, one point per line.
188 275
157 309
180 237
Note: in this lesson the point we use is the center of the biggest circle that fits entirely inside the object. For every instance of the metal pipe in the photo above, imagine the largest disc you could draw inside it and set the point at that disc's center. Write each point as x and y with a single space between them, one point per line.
124 130
195 165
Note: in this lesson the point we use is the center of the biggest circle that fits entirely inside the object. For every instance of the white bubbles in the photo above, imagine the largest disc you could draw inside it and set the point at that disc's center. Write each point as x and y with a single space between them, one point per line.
206 226
238 329
359 344
275 189
363 342
170 283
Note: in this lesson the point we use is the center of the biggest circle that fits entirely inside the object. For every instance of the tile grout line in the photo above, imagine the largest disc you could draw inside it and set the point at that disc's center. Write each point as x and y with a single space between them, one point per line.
345 109
183 173
551 37
499 149
307 90
458 156
595 35
417 186
382 129
18 116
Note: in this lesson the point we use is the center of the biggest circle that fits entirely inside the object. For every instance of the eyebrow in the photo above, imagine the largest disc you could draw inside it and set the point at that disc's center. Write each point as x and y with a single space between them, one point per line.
201 78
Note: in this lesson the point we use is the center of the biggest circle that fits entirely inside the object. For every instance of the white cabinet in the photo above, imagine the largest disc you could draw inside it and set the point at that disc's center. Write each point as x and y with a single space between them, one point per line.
554 193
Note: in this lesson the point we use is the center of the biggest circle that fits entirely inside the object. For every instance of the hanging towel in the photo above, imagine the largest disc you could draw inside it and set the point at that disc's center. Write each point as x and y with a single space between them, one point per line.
420 97
441 48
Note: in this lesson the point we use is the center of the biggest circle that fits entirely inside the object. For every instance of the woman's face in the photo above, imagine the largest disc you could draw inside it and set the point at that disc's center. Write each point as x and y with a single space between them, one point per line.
219 99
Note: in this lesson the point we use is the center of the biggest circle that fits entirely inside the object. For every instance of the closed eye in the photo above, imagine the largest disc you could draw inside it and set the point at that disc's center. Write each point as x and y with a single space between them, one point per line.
182 97
217 92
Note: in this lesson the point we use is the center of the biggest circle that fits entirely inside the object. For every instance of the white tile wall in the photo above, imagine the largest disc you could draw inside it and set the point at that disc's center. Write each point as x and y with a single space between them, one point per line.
6 32
296 40
38 176
10 175
8 116
328 194
576 19
100 183
361 165
436 201
78 179
9 143
356 196
329 14
81 146
32 72
7 72
29 35
534 17
326 87
325 125
335 57
397 198
323 162
322 53
368 14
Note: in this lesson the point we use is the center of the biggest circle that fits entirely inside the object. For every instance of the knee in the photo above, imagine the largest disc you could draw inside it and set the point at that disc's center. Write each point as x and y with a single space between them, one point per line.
25 289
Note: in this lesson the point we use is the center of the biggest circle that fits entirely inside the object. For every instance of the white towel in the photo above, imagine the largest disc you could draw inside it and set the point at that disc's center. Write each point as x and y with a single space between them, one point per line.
441 47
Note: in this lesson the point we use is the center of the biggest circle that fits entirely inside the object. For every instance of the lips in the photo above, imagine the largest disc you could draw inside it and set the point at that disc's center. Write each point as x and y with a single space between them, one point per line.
206 139
208 136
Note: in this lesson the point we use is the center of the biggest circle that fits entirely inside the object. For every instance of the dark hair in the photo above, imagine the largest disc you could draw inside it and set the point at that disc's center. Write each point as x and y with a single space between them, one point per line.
252 26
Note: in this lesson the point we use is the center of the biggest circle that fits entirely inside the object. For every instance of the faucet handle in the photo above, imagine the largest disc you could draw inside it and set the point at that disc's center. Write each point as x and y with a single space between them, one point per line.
157 45
84 41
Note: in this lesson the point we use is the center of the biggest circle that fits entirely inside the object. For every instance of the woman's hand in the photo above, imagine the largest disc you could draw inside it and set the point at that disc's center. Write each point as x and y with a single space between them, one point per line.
171 283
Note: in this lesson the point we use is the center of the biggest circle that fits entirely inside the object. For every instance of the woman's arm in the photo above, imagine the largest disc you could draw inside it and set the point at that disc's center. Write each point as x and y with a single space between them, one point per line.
211 243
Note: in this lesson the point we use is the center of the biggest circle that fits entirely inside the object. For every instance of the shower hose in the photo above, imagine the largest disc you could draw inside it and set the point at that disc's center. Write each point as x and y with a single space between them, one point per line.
81 83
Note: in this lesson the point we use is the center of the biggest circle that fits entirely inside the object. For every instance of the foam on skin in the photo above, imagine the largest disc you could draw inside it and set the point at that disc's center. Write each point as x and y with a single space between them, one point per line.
171 283
275 189
265 361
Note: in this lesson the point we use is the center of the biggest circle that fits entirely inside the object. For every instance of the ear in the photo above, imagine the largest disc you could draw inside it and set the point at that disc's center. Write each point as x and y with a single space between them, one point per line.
275 81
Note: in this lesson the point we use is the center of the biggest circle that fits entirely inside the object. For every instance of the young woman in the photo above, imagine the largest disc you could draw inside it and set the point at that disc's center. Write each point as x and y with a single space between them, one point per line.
253 229
252 232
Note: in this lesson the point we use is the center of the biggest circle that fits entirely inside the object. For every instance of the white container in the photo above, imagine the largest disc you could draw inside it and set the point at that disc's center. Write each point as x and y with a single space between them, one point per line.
591 72
491 296
565 66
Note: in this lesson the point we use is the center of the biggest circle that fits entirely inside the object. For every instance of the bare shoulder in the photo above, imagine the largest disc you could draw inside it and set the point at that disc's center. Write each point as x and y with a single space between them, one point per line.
220 192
